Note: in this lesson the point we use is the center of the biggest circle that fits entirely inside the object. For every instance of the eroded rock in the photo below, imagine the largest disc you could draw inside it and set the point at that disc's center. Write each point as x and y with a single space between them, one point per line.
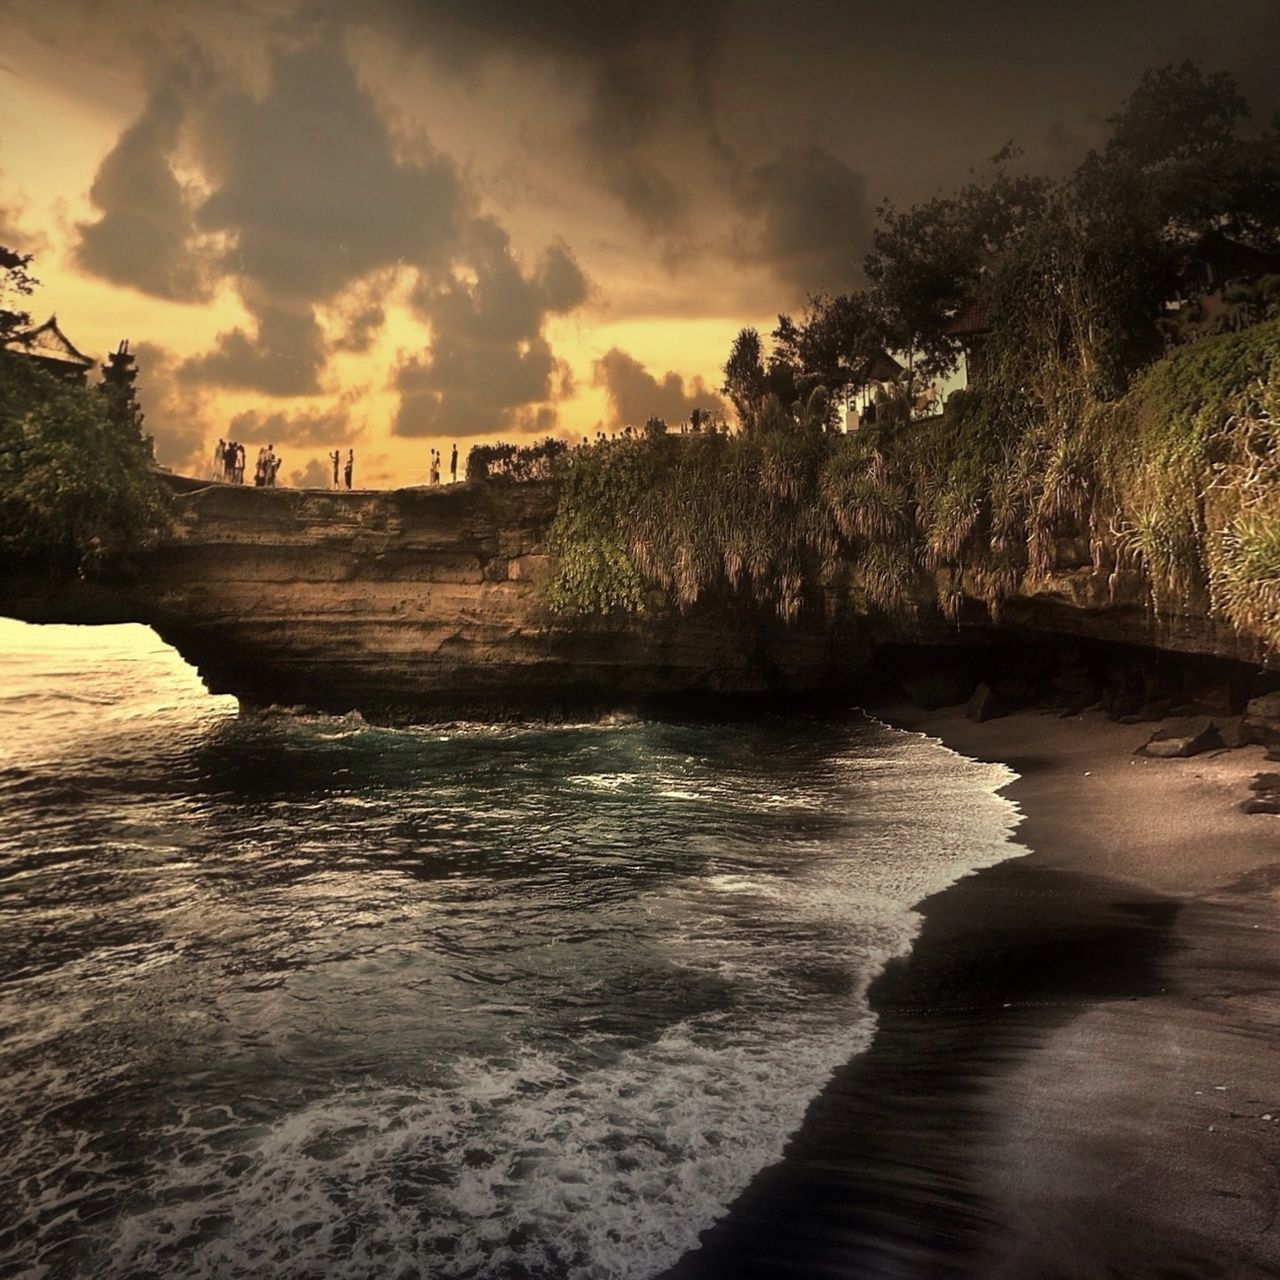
1186 738
1261 723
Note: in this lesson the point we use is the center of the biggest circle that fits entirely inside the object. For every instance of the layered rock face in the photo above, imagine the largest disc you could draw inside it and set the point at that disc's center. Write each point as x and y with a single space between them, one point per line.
415 602
430 602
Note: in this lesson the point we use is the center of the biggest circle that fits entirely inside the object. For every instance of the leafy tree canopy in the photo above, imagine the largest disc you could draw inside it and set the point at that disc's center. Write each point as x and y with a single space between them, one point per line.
77 488
16 283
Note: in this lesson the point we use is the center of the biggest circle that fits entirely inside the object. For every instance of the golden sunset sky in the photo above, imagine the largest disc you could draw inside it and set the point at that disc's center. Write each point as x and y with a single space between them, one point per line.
397 225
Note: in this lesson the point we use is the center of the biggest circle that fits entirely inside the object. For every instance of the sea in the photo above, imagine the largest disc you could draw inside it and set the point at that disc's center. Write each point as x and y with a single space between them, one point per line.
300 996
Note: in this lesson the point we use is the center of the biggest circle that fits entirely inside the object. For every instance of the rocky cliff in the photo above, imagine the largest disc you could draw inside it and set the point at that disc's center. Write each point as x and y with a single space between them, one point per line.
413 602
420 602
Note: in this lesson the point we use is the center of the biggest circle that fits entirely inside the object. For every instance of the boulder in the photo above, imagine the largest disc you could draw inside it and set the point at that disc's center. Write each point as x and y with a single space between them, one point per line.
1188 738
1232 730
1262 723
1261 804
985 704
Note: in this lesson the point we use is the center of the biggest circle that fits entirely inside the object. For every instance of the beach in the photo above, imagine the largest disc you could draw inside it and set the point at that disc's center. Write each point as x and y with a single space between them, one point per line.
1075 1071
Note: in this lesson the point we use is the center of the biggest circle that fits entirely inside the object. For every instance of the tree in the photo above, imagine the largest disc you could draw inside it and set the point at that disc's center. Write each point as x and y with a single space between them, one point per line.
1176 161
1176 113
833 344
16 283
744 377
928 261
76 482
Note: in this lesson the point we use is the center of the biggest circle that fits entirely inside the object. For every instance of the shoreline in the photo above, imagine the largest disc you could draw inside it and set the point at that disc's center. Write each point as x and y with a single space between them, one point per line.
1072 1065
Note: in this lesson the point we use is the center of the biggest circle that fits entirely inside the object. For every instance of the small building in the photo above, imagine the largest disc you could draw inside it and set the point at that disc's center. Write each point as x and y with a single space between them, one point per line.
970 327
1219 265
875 380
52 350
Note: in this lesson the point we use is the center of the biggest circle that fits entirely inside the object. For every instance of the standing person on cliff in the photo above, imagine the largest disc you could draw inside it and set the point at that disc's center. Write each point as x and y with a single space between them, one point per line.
220 460
335 457
453 466
350 467
239 464
434 474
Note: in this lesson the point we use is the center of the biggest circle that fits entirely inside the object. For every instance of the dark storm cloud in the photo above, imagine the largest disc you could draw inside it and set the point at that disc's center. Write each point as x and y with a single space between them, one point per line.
644 71
307 181
810 219
488 357
580 28
635 395
632 99
284 357
819 92
144 236
308 187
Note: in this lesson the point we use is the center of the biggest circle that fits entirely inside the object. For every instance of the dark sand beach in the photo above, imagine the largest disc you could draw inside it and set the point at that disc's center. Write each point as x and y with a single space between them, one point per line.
1076 1071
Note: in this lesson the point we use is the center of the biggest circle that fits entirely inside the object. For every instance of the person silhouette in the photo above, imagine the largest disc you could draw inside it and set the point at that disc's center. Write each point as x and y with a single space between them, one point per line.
453 465
335 457
347 470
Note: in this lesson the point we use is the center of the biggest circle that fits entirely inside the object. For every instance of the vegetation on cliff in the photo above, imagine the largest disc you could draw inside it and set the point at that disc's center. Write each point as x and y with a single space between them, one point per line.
1119 423
1177 479
77 485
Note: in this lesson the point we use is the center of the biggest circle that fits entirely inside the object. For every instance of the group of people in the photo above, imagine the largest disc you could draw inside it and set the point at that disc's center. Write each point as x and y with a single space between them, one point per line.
264 474
436 462
229 457
348 468
228 462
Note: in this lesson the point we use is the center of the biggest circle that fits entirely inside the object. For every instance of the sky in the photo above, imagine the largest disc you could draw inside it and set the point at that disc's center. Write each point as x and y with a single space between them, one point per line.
408 224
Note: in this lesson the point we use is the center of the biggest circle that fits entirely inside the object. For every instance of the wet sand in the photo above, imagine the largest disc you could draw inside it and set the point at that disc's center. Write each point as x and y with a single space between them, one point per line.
1076 1071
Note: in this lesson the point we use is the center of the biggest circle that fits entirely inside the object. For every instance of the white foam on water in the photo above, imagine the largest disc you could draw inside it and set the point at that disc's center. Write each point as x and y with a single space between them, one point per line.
542 1166
602 1158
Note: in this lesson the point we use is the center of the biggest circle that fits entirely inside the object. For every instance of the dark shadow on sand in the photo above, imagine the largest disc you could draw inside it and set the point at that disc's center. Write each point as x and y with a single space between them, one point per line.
887 1177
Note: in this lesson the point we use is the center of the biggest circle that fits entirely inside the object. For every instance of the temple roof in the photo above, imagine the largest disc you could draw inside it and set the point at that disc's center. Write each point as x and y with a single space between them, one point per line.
48 342
972 318
1232 259
881 367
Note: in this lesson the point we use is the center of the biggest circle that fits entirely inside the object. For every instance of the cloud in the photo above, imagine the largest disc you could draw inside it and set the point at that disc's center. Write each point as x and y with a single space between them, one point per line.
635 395
312 198
468 30
308 427
360 328
13 234
630 103
145 237
175 413
318 211
643 73
488 358
284 358
809 216
307 183
315 475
